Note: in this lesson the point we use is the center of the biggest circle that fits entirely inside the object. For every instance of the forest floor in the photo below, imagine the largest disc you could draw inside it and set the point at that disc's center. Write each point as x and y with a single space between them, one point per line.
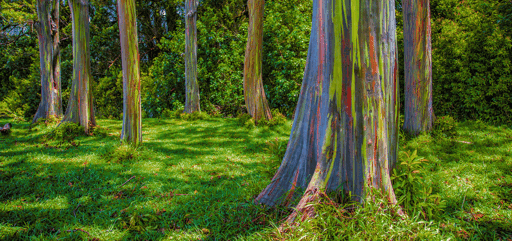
196 180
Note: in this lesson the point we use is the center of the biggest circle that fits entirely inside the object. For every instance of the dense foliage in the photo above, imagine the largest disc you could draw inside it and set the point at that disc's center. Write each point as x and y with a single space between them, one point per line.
471 55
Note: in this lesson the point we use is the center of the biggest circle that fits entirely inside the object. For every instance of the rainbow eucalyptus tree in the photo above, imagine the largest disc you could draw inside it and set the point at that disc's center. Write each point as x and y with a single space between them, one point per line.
47 28
419 114
80 109
192 88
255 98
344 136
131 73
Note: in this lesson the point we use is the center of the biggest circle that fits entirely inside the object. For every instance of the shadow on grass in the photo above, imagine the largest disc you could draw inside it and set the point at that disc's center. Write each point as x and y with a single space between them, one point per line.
186 182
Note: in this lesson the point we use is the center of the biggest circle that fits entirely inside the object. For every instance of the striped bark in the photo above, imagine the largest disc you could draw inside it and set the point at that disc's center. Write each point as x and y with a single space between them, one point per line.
344 135
192 88
419 114
255 99
80 108
132 122
47 28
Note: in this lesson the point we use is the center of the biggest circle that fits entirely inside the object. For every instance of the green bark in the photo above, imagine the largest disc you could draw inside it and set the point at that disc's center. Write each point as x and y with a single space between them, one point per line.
344 134
419 114
80 108
47 28
192 88
254 93
132 122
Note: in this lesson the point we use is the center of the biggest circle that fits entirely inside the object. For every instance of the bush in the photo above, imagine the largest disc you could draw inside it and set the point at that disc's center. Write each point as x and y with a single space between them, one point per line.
65 132
444 127
198 115
277 119
276 148
241 119
122 153
412 192
99 131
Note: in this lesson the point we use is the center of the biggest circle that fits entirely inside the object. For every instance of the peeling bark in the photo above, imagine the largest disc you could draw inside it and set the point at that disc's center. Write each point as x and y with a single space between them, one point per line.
192 88
80 106
132 122
47 28
254 93
344 135
419 114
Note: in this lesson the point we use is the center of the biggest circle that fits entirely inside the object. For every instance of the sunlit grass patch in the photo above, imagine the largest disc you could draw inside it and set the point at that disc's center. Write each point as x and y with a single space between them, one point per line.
197 180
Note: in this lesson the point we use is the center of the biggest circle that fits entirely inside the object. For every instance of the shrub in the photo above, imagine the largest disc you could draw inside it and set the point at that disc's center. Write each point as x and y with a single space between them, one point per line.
276 148
411 191
167 113
243 118
66 132
444 127
99 131
122 153
198 115
277 119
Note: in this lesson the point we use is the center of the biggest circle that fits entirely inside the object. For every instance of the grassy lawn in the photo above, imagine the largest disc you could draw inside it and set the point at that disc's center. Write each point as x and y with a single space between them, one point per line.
194 180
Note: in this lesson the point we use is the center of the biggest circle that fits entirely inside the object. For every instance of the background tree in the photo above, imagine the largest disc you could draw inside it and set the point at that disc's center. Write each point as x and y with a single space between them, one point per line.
255 99
344 133
192 103
132 124
419 113
47 28
80 106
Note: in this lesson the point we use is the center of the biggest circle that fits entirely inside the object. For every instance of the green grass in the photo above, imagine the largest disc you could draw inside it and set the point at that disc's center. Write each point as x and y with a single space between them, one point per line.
194 180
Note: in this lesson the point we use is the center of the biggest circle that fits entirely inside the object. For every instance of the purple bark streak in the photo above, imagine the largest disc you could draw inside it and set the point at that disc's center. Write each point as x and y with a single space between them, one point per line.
48 36
344 134
419 114
192 88
255 98
80 108
132 121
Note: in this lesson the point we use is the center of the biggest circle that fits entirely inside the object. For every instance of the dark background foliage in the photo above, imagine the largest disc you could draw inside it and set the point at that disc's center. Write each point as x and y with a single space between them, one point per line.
471 56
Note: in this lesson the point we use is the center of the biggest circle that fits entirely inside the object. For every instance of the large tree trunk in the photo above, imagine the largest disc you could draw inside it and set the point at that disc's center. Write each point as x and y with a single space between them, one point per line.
344 134
49 56
255 98
132 123
80 107
192 88
419 114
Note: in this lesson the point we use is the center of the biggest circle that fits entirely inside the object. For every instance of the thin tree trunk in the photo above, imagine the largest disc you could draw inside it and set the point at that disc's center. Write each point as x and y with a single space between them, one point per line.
132 122
49 57
343 137
80 107
192 88
419 114
255 98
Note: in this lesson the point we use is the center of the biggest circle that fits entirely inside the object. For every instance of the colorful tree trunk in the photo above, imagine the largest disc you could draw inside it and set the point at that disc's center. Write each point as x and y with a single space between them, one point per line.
192 88
49 56
344 136
132 123
419 114
255 98
80 109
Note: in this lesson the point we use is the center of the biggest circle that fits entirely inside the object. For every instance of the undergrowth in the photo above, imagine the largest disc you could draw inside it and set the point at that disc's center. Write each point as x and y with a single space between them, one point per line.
197 180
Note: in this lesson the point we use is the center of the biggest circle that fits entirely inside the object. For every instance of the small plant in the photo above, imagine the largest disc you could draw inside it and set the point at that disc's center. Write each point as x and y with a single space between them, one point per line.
411 191
197 115
66 132
444 127
167 113
99 131
243 118
122 153
277 118
276 148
